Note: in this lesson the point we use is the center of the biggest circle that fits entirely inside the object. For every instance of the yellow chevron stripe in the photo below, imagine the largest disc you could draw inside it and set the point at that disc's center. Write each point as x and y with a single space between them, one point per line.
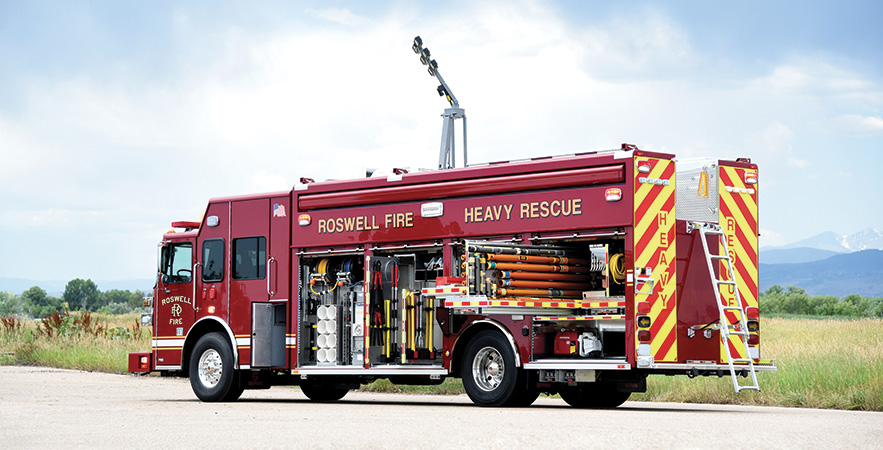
664 293
739 253
659 338
655 208
658 169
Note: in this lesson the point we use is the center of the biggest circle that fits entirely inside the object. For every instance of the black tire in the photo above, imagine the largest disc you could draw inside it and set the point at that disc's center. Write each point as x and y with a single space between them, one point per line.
323 392
524 398
594 395
212 375
490 377
526 391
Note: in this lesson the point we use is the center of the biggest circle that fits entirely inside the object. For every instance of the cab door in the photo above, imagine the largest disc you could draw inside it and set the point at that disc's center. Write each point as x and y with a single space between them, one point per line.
212 273
173 302
249 230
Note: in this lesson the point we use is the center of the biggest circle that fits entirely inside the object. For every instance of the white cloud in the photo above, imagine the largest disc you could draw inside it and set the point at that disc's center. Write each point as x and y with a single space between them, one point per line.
814 75
861 124
769 238
262 108
797 162
337 15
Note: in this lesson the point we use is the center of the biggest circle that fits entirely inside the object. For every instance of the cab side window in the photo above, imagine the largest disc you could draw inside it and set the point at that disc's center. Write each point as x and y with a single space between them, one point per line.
177 263
213 260
249 258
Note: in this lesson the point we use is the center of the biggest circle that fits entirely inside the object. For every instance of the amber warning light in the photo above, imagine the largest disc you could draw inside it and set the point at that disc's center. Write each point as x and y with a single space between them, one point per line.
613 194
750 177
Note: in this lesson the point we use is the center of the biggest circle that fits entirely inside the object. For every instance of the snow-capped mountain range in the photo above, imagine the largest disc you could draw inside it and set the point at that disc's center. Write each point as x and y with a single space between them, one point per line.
867 239
827 264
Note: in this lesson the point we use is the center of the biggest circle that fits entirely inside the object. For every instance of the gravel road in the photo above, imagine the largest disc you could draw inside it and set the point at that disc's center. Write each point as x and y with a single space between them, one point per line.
53 408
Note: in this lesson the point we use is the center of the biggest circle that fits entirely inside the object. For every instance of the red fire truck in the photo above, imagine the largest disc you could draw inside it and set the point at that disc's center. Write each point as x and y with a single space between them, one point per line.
580 274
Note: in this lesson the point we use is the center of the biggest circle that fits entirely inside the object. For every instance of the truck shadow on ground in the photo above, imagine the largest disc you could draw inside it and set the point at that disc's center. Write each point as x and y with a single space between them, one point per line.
563 406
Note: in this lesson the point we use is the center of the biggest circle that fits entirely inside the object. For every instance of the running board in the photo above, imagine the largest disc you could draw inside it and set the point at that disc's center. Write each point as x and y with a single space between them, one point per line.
378 370
574 364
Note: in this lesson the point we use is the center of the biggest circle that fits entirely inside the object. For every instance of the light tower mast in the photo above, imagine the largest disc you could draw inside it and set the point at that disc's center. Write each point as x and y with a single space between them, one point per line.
446 158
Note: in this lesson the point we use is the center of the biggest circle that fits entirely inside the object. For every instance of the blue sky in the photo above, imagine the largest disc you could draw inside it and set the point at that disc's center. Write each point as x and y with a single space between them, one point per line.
117 118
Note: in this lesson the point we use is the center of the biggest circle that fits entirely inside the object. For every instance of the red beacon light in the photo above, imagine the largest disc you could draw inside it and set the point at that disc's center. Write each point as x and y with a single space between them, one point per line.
644 166
187 226
752 312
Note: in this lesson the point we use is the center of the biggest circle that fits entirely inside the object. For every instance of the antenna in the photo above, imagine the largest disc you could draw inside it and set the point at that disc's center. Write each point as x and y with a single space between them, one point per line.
446 158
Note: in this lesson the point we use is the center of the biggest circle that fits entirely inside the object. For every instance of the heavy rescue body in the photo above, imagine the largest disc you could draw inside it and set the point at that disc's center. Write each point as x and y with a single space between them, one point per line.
569 274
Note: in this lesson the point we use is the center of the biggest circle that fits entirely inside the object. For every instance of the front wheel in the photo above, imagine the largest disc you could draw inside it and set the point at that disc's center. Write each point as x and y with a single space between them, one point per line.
527 391
489 372
594 395
212 376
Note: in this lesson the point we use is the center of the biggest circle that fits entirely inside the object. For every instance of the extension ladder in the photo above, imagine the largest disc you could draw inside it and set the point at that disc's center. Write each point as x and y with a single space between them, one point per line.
738 328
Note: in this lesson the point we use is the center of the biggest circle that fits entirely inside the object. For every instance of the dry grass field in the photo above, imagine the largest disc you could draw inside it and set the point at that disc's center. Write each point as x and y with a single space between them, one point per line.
822 363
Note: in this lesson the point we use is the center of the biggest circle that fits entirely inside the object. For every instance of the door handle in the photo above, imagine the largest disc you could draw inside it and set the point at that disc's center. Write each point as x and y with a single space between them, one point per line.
269 274
193 280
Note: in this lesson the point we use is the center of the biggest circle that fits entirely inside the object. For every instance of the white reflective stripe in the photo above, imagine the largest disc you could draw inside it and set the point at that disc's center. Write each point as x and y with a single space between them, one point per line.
291 341
160 343
244 366
243 341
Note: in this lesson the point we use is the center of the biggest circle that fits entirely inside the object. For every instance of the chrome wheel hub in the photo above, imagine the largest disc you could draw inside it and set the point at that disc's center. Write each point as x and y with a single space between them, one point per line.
488 369
210 368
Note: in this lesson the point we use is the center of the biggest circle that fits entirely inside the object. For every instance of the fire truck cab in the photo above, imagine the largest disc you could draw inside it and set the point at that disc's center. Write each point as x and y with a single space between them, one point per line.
579 275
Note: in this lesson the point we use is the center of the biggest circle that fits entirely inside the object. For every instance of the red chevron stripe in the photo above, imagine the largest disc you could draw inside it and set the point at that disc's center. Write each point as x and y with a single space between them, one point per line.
651 196
743 207
741 236
748 282
666 345
653 229
646 203
660 320
742 213
643 244
733 350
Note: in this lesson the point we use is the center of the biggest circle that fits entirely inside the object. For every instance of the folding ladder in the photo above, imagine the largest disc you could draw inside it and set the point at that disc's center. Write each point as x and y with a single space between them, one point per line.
738 328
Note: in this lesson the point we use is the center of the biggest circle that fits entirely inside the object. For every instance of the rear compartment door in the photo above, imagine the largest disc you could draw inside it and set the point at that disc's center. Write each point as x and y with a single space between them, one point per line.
738 219
654 272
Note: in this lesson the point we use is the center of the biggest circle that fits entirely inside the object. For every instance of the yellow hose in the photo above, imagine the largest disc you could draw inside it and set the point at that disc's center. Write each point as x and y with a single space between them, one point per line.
617 268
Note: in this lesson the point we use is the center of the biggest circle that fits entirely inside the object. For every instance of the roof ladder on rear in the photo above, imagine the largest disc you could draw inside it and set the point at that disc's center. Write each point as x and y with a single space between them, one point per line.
738 328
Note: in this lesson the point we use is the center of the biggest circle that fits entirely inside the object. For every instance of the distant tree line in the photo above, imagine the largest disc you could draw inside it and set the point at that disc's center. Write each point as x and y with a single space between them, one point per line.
78 294
795 300
82 294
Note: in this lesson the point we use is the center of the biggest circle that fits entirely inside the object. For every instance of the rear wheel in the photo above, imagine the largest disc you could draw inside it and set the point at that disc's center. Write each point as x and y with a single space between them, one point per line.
489 372
212 376
323 392
594 395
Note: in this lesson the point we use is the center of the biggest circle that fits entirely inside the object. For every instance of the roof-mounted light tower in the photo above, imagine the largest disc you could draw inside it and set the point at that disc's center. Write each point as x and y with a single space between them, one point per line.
446 159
